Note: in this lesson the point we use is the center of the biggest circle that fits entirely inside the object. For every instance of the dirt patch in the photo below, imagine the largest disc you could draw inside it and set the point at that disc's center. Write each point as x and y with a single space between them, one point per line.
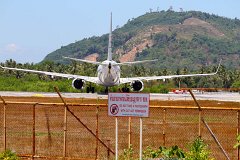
208 26
140 42
92 57
131 55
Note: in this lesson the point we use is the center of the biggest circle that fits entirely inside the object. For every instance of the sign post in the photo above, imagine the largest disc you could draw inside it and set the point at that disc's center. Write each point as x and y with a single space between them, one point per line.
129 131
140 144
116 143
128 105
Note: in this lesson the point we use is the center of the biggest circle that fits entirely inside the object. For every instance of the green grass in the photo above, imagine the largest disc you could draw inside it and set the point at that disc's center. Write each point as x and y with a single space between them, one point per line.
33 84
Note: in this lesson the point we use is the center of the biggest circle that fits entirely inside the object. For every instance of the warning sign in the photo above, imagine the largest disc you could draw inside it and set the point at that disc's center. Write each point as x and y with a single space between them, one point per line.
128 104
114 109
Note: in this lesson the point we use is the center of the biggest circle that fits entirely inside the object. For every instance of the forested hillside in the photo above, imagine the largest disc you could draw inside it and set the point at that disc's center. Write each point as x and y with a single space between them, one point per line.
178 39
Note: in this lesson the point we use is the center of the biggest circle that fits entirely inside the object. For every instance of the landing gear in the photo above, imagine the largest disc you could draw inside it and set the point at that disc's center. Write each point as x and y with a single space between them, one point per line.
106 90
125 89
90 89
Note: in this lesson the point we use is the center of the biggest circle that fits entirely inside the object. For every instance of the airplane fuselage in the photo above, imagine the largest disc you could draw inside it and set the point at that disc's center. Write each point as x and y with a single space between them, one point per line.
109 73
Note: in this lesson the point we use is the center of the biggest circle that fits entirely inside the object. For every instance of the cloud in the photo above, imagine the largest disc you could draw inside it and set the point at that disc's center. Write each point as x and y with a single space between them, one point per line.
11 48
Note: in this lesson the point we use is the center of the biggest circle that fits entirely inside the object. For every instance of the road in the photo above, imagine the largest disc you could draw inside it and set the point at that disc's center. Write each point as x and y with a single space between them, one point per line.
218 96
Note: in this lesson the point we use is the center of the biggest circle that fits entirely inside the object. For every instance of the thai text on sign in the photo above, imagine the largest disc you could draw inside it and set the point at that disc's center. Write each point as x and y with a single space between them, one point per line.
128 104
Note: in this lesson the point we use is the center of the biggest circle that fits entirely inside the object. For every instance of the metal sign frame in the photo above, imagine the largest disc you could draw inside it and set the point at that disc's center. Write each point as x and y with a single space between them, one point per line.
128 105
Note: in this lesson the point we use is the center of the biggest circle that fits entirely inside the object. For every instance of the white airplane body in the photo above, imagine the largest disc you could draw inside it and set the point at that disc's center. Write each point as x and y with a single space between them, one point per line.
108 72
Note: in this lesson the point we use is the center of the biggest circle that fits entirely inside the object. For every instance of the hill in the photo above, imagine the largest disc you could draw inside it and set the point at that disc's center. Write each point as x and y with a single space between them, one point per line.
178 39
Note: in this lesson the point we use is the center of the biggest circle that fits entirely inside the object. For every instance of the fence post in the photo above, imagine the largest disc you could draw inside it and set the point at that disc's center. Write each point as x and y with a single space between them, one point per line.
238 129
200 112
97 124
164 126
34 131
4 124
65 132
199 123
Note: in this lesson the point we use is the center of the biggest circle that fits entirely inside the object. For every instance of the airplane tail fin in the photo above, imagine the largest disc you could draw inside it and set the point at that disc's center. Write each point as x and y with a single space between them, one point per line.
110 41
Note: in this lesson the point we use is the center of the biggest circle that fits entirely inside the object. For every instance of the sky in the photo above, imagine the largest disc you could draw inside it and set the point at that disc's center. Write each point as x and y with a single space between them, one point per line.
31 29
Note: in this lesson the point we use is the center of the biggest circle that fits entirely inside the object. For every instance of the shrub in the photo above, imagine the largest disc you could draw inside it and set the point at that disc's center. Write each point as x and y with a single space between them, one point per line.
172 153
8 155
127 154
238 142
198 150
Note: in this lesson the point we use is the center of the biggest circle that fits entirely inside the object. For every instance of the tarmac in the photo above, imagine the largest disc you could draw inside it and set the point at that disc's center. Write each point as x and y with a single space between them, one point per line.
218 96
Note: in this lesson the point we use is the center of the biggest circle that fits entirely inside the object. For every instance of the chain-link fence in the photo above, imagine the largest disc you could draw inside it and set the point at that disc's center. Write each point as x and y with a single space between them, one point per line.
53 130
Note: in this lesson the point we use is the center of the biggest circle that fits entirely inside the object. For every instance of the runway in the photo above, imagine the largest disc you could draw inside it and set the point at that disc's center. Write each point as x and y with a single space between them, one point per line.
218 96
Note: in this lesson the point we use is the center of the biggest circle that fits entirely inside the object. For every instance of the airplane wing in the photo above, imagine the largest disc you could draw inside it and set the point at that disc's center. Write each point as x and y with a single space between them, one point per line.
136 62
54 74
150 78
128 80
98 63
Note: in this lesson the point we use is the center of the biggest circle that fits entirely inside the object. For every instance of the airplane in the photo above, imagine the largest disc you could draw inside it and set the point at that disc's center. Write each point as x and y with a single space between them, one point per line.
108 73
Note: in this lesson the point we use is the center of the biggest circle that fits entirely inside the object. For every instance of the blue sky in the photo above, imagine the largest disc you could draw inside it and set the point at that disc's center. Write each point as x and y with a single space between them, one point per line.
31 29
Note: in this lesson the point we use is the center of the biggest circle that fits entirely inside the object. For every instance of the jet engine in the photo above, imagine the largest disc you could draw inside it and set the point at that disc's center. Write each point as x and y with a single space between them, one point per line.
137 85
78 83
